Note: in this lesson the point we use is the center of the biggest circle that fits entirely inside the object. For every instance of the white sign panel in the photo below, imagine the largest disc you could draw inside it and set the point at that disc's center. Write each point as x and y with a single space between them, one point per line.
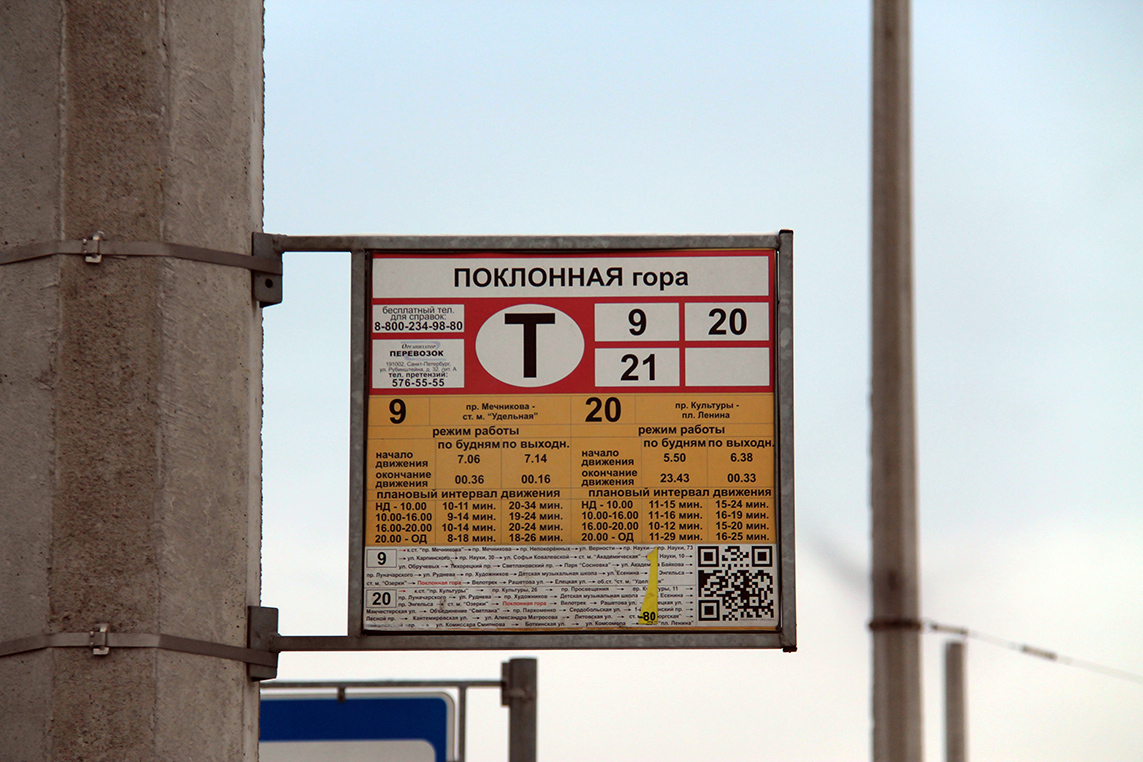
571 442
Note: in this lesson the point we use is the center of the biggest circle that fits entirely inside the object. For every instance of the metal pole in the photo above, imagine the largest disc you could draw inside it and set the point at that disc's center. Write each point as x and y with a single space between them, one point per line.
896 597
462 709
519 695
954 702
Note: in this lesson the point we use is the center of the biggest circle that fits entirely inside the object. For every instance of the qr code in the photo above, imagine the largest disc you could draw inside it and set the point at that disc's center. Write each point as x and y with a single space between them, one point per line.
736 583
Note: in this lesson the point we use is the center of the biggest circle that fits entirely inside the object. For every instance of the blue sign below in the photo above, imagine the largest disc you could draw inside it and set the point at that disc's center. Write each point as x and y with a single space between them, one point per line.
427 718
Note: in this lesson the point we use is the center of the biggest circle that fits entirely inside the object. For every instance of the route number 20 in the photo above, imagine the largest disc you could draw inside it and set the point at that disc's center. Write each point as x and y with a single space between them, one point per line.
737 322
611 409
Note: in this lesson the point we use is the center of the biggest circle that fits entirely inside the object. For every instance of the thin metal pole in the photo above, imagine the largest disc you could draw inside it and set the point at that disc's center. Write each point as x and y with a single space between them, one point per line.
954 702
519 695
462 709
896 598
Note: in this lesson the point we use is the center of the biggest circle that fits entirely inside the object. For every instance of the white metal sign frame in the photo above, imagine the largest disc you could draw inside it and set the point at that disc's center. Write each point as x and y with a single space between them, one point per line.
480 255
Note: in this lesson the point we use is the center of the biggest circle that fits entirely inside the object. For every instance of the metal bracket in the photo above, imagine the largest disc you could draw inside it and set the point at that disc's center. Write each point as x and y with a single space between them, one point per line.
93 258
517 681
507 694
99 646
261 626
267 286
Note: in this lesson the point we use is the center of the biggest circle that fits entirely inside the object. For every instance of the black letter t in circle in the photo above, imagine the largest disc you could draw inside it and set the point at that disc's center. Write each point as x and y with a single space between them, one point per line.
530 320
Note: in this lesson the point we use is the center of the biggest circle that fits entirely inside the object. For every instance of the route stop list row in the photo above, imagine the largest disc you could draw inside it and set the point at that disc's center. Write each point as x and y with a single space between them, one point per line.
571 441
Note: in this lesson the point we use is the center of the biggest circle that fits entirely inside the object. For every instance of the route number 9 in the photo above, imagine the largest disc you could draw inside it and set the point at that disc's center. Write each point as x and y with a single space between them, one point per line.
638 320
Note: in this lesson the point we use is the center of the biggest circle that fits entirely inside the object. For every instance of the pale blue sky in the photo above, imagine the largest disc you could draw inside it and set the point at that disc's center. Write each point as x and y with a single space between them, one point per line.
718 117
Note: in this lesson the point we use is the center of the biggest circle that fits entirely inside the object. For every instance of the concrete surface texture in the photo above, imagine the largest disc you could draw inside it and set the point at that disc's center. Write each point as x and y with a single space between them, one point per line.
130 390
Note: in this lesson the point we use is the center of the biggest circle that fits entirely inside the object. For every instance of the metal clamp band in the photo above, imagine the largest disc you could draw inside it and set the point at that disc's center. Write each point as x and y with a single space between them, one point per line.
101 640
263 264
896 624
95 247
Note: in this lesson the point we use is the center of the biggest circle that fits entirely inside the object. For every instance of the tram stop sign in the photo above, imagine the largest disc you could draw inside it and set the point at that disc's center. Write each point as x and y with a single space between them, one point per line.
358 728
564 443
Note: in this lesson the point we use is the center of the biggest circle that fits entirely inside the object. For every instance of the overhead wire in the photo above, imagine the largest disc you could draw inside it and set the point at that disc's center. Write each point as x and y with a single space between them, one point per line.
1028 650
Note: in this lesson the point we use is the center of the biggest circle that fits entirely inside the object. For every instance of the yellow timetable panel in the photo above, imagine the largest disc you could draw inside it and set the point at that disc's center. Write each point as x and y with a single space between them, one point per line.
547 476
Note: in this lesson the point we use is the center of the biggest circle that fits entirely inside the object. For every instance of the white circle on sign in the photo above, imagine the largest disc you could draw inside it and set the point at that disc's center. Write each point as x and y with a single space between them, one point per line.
529 345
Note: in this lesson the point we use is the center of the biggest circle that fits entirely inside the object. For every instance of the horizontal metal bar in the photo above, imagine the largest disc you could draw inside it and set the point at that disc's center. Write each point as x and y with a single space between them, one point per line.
524 641
101 248
602 243
382 684
218 650
482 641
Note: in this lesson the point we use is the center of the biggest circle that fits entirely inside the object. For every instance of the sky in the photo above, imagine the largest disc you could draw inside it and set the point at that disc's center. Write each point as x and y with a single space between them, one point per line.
549 118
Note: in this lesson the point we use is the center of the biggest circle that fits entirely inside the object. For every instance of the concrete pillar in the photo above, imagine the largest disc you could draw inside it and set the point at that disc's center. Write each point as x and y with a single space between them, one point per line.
130 390
893 443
